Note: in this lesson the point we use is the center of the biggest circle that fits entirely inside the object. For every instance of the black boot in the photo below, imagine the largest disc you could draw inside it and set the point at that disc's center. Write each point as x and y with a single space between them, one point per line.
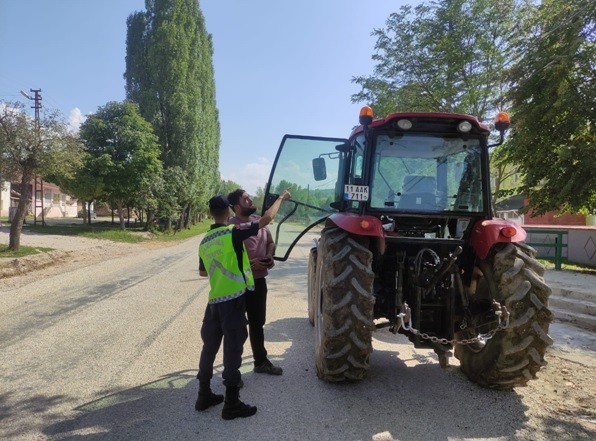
207 398
233 407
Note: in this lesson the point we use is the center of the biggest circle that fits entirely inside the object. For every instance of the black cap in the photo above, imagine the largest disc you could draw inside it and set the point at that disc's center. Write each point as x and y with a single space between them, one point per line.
218 202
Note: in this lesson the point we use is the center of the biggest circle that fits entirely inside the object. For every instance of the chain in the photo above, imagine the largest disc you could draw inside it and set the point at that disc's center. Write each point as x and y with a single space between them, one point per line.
500 311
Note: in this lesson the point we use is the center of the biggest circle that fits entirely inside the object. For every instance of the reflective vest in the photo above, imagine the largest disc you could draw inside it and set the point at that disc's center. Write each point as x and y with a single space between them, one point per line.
221 262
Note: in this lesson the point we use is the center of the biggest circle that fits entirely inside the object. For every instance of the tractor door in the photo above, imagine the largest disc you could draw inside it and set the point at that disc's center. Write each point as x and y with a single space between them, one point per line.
309 167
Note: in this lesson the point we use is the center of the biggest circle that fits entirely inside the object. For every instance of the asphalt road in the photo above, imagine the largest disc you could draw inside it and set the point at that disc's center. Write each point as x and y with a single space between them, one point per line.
109 352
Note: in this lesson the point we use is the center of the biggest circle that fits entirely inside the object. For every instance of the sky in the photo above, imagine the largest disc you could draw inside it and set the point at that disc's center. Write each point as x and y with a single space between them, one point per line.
281 66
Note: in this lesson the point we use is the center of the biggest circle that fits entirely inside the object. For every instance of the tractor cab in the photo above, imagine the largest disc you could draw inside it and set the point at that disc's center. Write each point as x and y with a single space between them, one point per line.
410 174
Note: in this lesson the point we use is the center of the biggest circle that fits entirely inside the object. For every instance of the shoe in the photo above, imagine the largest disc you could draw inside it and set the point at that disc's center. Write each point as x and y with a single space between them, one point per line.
237 410
268 368
206 401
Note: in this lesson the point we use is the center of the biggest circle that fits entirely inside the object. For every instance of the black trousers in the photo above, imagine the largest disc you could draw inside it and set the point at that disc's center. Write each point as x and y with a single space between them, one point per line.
223 321
256 310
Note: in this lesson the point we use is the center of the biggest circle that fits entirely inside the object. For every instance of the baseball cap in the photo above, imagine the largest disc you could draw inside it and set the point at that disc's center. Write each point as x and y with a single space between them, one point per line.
219 202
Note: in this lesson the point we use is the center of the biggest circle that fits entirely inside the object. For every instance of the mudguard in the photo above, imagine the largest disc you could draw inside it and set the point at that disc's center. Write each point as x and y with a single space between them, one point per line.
488 232
361 225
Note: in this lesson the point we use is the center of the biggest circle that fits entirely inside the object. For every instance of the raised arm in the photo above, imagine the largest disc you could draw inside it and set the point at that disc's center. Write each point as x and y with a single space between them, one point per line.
272 211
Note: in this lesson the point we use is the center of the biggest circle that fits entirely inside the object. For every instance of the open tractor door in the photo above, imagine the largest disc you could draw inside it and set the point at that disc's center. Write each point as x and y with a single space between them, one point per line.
404 238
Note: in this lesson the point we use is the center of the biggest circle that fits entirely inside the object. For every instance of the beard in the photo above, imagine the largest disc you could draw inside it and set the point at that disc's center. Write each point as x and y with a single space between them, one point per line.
248 211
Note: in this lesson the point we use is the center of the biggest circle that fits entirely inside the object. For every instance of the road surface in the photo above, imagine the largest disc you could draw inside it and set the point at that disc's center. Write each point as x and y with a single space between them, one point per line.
109 351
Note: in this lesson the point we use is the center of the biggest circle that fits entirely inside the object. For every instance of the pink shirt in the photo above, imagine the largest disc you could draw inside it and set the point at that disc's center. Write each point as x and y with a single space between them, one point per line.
256 246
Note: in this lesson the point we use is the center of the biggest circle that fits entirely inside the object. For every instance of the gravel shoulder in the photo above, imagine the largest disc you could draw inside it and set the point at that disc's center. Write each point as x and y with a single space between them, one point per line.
69 252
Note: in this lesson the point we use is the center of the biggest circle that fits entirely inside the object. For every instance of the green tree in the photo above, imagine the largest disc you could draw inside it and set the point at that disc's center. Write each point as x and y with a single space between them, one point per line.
553 137
449 56
84 182
124 152
169 73
32 148
446 56
227 186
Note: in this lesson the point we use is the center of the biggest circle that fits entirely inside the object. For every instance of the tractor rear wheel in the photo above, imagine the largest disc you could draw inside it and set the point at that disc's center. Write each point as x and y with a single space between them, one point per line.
343 306
513 277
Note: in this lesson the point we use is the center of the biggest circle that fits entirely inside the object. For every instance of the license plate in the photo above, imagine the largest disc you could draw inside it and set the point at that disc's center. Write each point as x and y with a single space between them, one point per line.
356 192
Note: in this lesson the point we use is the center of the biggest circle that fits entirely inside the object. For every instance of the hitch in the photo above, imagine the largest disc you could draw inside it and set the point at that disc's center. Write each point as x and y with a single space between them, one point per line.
443 270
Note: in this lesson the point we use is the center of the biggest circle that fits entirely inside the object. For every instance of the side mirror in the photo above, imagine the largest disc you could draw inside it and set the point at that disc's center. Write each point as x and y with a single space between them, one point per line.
319 169
271 198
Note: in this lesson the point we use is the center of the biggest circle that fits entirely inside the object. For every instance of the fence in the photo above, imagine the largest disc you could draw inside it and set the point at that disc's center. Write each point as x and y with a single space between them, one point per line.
549 244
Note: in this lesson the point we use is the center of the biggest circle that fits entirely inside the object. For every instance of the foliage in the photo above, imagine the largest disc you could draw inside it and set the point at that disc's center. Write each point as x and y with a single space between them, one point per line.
553 138
506 177
314 198
445 56
226 187
479 56
169 73
30 149
123 154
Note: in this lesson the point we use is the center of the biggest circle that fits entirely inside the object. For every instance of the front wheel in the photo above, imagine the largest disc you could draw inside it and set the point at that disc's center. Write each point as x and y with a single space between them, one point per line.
343 306
512 276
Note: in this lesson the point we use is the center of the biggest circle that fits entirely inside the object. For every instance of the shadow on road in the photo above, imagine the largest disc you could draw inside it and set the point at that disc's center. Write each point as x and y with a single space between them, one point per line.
400 400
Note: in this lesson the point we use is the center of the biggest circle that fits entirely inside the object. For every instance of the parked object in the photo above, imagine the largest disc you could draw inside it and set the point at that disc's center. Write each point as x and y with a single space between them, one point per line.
407 241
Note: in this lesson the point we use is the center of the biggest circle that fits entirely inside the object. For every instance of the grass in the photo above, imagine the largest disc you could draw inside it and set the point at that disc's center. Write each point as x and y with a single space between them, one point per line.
569 267
105 230
23 251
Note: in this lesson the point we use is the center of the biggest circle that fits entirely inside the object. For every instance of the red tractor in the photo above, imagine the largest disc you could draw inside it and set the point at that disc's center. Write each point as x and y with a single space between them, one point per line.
406 239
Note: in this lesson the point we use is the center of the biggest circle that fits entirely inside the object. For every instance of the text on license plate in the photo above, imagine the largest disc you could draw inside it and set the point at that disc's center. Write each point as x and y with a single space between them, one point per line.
356 192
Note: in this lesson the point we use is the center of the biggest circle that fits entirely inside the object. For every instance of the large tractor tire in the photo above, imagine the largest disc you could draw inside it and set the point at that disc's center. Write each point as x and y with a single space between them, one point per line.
343 306
513 277
312 283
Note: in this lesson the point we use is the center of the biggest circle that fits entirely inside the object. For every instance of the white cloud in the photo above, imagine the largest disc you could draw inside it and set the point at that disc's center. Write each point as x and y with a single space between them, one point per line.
251 175
75 119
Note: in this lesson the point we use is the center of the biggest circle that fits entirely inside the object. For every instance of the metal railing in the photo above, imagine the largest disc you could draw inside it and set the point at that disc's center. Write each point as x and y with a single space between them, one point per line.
557 243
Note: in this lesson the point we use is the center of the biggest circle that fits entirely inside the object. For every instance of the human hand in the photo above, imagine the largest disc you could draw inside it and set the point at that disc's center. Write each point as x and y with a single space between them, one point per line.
285 195
258 265
267 262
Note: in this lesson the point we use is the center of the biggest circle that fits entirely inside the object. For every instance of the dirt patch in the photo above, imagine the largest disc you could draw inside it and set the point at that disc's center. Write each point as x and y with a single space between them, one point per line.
23 265
563 397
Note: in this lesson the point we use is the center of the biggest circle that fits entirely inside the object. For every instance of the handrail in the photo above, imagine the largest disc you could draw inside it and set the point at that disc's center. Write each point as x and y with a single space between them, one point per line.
558 244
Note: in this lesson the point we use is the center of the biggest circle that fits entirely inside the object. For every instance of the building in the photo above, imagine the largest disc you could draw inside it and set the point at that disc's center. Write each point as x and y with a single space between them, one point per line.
48 198
4 198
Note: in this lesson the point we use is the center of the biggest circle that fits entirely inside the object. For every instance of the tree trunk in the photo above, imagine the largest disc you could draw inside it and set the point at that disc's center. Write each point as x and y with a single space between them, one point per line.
16 227
88 212
120 207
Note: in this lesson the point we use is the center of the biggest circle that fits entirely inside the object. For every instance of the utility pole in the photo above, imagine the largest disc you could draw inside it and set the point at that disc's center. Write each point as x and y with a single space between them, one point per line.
37 107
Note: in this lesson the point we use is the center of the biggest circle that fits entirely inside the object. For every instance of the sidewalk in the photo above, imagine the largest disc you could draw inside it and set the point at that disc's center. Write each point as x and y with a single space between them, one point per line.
573 297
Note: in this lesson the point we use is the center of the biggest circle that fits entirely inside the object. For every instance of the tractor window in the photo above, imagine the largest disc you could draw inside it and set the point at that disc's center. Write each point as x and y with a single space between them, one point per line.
417 172
357 158
315 186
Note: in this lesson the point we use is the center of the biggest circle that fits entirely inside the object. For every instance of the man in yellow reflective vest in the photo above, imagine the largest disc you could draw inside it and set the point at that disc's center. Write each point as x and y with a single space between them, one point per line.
223 257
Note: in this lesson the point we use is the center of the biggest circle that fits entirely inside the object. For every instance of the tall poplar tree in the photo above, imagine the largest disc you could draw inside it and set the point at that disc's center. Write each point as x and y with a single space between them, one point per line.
169 73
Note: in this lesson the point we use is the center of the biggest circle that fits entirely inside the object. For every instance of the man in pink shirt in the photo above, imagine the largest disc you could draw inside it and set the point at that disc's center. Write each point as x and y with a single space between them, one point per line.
260 250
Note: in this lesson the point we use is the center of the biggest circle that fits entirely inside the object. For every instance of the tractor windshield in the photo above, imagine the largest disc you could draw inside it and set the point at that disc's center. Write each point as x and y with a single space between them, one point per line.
422 172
